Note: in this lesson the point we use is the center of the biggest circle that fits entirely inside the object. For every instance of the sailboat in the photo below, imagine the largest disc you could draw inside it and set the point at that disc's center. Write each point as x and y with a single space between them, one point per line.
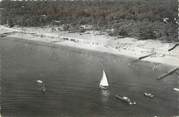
104 82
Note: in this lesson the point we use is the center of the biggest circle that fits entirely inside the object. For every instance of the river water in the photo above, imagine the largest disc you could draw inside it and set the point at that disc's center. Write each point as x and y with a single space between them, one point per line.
72 76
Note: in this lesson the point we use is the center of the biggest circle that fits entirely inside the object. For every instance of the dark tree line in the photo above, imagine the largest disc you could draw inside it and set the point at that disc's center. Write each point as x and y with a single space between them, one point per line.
135 18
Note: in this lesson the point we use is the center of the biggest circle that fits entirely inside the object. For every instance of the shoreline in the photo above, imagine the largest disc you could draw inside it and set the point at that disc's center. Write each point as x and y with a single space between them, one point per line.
142 50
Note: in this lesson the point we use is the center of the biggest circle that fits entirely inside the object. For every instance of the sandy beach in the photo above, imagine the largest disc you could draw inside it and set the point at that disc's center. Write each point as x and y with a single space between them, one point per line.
146 50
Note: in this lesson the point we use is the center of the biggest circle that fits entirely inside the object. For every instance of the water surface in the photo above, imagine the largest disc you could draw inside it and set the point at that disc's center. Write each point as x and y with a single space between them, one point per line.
72 77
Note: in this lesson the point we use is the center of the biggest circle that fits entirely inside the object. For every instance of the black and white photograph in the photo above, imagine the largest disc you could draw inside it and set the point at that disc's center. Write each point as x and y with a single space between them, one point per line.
89 58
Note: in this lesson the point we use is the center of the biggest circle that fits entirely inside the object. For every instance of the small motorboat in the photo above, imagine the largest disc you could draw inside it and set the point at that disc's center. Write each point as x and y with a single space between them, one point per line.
148 95
41 85
39 81
104 82
176 89
125 99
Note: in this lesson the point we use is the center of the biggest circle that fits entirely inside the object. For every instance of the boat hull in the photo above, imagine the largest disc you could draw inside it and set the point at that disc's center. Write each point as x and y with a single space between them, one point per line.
103 87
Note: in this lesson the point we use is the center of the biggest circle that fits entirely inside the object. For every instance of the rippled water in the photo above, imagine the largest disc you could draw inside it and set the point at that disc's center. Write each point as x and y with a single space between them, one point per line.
72 76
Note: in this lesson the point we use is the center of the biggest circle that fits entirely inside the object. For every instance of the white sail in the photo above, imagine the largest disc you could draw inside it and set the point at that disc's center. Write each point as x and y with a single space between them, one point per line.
104 81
